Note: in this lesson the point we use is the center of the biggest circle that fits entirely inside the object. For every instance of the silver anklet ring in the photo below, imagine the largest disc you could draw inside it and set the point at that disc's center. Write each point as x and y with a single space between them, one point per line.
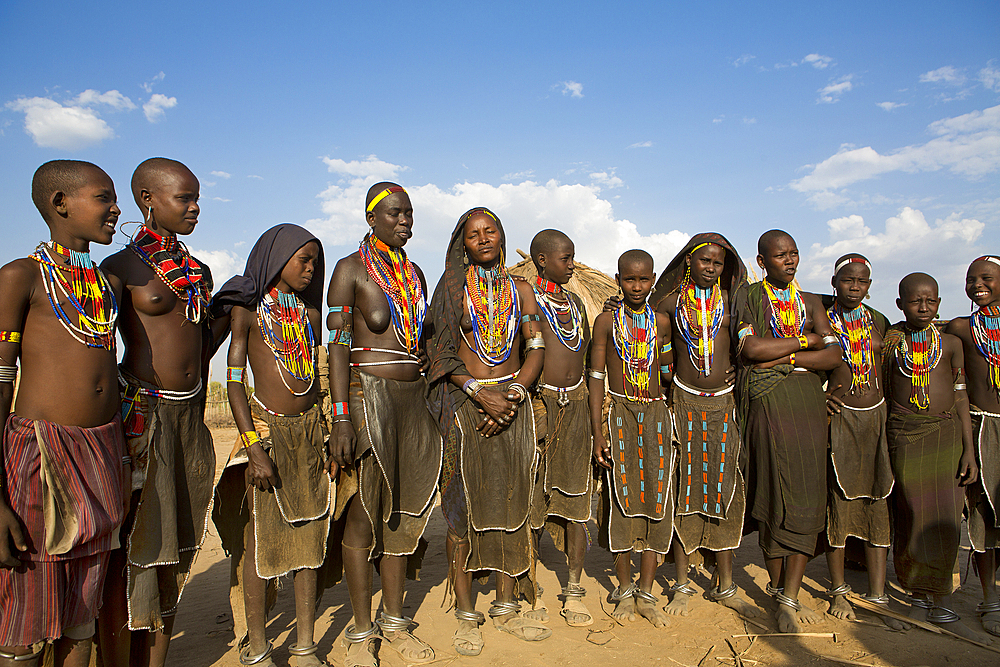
24 657
574 591
247 659
305 650
942 615
684 588
618 595
648 597
498 608
773 590
788 602
987 607
392 623
922 603
718 596
876 599
352 636
842 589
471 616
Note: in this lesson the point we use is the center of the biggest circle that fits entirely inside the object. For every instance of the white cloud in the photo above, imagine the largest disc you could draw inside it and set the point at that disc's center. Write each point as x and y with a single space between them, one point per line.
890 106
259 178
947 75
220 174
719 119
148 86
968 145
817 61
519 175
831 92
641 144
525 207
223 264
989 76
157 105
743 60
370 168
749 121
112 98
572 88
223 199
605 180
52 125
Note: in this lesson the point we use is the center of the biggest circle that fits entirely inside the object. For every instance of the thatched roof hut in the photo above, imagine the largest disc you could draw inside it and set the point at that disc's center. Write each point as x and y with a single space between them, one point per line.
591 285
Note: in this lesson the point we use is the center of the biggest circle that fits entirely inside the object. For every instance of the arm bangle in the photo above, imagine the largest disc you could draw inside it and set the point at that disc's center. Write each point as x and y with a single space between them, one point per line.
126 460
667 347
961 387
342 309
803 342
664 370
472 387
530 318
791 358
10 336
339 409
536 342
597 375
8 374
249 438
340 337
235 373
830 340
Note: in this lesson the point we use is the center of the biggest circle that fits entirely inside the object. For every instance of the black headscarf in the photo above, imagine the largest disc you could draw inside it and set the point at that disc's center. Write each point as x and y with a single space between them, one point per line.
264 265
444 398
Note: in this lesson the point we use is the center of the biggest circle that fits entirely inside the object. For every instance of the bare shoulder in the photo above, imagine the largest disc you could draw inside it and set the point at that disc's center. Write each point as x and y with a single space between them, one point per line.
662 322
118 262
958 327
813 301
524 289
668 304
18 272
951 343
602 324
349 266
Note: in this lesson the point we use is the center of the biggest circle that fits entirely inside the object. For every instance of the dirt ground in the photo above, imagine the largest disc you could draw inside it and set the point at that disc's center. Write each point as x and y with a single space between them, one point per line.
203 631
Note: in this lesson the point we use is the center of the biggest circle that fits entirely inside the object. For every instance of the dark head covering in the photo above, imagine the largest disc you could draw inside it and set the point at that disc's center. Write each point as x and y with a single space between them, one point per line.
445 398
734 273
264 265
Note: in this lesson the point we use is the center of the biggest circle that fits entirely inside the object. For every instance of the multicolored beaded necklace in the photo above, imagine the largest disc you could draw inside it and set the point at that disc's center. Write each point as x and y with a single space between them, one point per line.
393 271
635 341
494 310
87 286
700 312
294 350
788 311
171 261
854 328
985 324
563 316
918 354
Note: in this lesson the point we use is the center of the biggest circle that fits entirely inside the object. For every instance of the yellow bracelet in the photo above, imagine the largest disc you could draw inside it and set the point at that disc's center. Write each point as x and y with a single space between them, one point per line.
249 438
803 342
791 358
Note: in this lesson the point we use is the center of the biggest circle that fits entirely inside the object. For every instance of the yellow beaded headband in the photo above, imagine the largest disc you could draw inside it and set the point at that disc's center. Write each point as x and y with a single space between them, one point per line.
382 195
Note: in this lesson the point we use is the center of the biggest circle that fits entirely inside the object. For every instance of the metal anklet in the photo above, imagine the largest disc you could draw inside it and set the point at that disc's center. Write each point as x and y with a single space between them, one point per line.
648 597
387 623
718 596
618 595
773 590
352 636
574 591
922 603
305 650
842 589
471 616
787 601
942 615
498 608
247 659
876 599
684 588
24 657
987 607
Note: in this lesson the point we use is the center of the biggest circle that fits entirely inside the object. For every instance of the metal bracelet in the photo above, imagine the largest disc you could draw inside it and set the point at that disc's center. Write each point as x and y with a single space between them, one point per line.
942 615
520 389
787 601
597 375
876 599
574 591
619 595
961 387
247 659
716 595
684 588
305 650
987 607
773 590
830 340
535 343
471 616
498 608
24 657
353 636
842 589
392 623
472 387
648 597
922 603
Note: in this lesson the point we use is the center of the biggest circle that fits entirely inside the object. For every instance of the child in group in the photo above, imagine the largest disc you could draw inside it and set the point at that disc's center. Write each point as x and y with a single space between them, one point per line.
637 504
930 437
63 448
980 335
563 485
275 320
861 478
165 326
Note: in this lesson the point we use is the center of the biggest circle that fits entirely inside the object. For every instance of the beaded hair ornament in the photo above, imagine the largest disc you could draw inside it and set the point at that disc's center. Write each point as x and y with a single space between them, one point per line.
285 328
699 314
393 271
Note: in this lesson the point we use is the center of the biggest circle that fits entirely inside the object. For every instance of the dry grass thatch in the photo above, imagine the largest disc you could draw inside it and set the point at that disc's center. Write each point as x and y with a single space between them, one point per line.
591 285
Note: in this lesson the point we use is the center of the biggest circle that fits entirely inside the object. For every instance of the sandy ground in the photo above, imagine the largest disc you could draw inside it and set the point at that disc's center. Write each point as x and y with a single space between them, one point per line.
203 630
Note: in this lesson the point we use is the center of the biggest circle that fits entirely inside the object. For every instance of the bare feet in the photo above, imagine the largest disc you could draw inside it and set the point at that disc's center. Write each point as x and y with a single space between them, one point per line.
624 601
841 608
652 613
741 606
989 616
679 605
894 623
808 616
787 620
960 628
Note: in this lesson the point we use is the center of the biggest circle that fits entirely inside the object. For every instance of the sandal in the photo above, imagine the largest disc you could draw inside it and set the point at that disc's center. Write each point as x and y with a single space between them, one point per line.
516 624
573 595
404 643
473 637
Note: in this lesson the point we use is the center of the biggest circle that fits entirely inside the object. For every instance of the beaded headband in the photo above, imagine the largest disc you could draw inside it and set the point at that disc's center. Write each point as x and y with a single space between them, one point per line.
851 260
702 245
382 195
987 258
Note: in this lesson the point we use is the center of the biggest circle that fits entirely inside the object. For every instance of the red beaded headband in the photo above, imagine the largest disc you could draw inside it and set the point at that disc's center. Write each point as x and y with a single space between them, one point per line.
851 260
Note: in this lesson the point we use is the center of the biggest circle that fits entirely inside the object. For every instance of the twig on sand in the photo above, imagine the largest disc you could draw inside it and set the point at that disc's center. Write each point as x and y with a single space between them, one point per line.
708 653
747 661
845 661
864 604
825 635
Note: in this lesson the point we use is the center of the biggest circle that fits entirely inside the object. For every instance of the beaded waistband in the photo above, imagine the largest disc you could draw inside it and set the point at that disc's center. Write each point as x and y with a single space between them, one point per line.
561 389
637 400
879 404
271 412
161 393
497 380
699 392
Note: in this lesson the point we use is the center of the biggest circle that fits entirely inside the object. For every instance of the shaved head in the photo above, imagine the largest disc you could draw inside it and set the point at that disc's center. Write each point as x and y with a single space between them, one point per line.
769 238
915 281
635 257
150 174
547 242
59 176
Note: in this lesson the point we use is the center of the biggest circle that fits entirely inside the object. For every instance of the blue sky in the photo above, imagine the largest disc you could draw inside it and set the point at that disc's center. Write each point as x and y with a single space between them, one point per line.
870 127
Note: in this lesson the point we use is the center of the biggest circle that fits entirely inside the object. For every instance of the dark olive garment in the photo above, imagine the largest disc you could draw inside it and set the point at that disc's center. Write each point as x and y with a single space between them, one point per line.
984 495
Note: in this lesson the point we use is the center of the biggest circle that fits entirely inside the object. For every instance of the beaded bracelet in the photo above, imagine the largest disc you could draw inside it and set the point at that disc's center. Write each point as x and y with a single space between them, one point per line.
250 438
339 409
471 387
803 342
791 358
519 389
342 309
667 347
664 370
235 373
530 318
10 336
340 337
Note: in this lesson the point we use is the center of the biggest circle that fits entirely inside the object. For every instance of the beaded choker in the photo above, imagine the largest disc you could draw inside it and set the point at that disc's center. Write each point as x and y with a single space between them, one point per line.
635 341
985 324
563 316
918 354
171 261
393 271
87 290
294 349
494 310
699 315
547 286
854 328
788 311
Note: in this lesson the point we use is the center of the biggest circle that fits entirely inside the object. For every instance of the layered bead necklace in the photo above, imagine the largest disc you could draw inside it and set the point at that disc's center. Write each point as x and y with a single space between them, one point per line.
700 312
918 354
171 261
563 316
87 290
788 311
494 310
985 324
635 341
393 271
854 328
294 349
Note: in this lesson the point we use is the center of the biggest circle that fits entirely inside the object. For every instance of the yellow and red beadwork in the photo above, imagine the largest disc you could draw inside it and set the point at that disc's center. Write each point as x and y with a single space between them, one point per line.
788 310
395 274
294 348
855 329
